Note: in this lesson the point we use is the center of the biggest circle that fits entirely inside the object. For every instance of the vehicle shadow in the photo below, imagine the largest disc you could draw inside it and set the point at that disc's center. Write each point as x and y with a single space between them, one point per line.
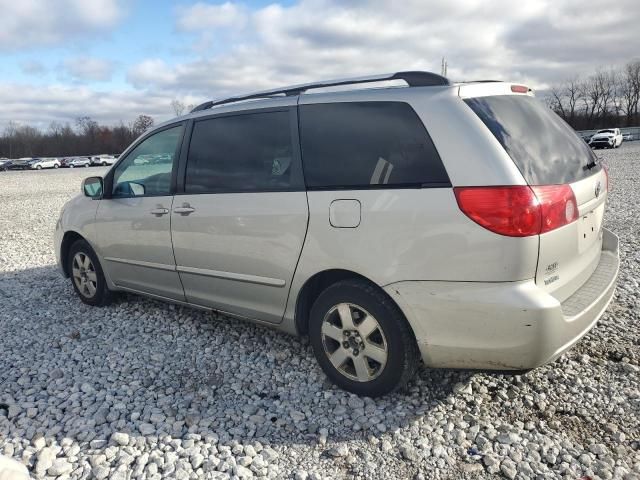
152 369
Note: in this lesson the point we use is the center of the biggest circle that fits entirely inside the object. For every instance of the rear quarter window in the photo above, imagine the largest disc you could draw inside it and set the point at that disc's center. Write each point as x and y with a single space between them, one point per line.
546 150
367 145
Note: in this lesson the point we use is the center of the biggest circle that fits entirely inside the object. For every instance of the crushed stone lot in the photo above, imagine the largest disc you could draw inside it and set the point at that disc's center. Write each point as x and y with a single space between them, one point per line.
146 390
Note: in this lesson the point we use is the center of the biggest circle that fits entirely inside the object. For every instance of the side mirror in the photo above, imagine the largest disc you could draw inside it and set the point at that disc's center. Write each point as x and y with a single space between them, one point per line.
92 187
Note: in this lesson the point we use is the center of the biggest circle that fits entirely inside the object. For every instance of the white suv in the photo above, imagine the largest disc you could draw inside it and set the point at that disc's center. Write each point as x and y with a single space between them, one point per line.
362 219
607 138
103 160
40 163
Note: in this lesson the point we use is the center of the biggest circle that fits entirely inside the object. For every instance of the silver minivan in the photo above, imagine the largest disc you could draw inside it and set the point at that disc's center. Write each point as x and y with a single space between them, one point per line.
457 225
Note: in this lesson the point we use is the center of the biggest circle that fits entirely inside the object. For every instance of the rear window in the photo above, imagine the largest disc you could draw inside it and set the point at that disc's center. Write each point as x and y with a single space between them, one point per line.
367 145
545 149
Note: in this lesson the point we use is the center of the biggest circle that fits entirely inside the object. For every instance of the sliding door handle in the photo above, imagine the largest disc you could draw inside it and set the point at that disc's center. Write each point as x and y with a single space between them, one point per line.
158 212
185 209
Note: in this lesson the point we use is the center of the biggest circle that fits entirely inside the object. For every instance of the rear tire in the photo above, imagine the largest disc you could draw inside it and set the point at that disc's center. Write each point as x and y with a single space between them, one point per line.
87 276
361 339
104 164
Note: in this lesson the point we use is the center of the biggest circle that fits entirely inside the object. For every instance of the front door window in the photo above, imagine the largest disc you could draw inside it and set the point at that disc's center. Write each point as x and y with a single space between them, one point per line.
147 169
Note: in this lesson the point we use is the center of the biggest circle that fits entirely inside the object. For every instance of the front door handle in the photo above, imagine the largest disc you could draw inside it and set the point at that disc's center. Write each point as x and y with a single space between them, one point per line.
185 209
158 212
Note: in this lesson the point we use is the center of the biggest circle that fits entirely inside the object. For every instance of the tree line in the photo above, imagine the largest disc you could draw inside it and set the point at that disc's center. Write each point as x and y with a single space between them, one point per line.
607 98
85 138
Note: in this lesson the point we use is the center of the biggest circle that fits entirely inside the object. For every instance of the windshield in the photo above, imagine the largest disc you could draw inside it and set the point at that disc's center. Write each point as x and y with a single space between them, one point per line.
606 131
545 149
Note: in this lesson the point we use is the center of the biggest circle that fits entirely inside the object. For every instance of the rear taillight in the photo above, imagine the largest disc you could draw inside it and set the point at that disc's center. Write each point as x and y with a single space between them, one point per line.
519 89
558 206
518 211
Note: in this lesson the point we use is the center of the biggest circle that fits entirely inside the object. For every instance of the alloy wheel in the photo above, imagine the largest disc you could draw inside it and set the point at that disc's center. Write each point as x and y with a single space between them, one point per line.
354 342
84 275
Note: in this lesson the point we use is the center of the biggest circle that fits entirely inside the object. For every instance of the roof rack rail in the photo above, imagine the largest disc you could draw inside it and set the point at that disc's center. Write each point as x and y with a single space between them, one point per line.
413 79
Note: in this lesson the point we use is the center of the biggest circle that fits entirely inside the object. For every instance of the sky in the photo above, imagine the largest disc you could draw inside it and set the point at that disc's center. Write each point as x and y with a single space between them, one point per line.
116 59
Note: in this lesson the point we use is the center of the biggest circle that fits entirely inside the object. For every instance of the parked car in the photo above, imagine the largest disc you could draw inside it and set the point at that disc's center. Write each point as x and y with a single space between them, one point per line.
627 137
23 163
3 162
40 163
103 160
607 138
73 162
353 218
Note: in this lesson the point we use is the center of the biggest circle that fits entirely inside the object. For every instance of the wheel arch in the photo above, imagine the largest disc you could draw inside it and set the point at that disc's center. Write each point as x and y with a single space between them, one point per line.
316 284
69 238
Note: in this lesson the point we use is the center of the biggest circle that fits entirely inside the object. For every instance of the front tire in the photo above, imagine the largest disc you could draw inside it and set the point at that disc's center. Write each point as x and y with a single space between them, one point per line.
361 339
86 275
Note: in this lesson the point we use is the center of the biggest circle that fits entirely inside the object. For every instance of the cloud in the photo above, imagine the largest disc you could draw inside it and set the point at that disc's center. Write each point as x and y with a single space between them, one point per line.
236 49
204 16
32 23
88 68
533 42
38 106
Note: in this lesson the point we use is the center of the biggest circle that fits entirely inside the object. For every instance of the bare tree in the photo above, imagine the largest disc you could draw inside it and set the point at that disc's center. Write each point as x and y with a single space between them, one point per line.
27 137
9 134
605 83
178 107
629 90
556 101
592 98
87 126
141 125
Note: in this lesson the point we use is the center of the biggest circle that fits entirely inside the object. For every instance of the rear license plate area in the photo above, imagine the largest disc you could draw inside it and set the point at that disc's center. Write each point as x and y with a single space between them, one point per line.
588 230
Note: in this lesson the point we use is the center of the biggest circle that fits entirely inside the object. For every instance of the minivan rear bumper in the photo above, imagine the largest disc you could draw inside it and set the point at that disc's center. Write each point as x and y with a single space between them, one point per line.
503 325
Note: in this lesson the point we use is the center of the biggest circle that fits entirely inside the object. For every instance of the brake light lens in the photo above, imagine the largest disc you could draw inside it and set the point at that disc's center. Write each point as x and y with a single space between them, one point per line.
557 204
519 89
518 211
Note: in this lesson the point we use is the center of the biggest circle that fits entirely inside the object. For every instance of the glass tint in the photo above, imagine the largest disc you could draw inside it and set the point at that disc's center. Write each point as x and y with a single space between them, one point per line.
545 149
147 169
242 153
364 144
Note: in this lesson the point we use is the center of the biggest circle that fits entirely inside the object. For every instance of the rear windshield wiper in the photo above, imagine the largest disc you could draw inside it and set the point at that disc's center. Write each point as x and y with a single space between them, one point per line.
590 165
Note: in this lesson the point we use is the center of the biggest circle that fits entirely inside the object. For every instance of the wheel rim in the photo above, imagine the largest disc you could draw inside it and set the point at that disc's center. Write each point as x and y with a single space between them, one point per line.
354 342
84 275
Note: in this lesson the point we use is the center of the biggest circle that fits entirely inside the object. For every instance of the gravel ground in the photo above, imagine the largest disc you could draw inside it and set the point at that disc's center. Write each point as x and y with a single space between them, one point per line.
143 389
